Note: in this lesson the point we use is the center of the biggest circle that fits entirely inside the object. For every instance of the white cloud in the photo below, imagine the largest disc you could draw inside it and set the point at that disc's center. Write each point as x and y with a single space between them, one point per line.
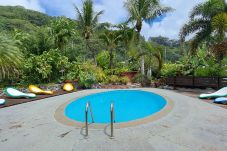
171 25
114 11
29 4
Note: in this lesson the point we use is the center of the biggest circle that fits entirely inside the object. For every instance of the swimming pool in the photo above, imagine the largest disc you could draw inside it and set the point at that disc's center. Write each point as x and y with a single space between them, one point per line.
129 105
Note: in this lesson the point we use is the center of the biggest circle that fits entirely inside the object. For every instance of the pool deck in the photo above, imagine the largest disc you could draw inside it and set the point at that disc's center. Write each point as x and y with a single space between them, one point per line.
192 125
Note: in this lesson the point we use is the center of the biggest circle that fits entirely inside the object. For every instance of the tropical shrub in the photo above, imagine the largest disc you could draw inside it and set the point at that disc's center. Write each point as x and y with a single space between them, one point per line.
49 66
124 80
171 69
211 69
92 74
103 59
113 79
86 79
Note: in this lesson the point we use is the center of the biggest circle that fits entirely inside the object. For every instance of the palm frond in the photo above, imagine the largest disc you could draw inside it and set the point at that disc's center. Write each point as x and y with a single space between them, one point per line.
193 26
10 58
196 11
199 38
96 17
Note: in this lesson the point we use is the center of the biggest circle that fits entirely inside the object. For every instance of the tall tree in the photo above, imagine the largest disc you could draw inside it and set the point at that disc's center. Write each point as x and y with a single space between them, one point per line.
88 20
219 25
155 52
61 29
144 10
200 23
111 38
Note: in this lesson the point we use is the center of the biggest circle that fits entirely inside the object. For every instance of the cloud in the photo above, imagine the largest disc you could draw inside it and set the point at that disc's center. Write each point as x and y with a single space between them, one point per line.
115 12
29 4
172 23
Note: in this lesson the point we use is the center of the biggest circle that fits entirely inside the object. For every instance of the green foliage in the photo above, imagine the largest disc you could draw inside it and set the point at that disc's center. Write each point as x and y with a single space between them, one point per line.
201 22
12 17
103 59
219 24
124 80
56 49
47 67
87 18
10 58
211 69
171 69
61 30
86 79
87 74
35 43
113 79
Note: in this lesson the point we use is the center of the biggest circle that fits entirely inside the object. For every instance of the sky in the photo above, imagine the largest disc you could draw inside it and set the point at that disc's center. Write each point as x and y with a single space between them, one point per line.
114 12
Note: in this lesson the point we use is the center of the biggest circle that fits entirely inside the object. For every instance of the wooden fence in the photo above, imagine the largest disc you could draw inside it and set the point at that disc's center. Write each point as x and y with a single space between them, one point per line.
198 82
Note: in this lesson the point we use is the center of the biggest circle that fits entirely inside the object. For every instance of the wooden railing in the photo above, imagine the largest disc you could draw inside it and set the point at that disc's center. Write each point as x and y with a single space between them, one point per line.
198 82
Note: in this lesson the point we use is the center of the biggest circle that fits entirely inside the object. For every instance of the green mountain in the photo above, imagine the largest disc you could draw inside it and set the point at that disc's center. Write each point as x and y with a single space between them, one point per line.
12 17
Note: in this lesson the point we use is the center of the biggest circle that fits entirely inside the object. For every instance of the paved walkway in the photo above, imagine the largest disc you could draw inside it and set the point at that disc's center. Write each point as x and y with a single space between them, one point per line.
192 125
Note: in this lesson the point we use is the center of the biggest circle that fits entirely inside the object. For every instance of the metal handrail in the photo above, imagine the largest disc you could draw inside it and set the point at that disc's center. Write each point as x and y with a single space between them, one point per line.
86 116
112 120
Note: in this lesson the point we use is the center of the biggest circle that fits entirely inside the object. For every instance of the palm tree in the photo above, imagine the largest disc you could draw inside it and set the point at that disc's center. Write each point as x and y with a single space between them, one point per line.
111 38
144 10
155 52
219 25
10 58
88 20
127 33
61 29
201 22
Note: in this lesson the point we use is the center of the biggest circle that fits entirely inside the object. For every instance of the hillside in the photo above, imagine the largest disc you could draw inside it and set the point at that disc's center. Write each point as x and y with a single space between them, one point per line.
18 17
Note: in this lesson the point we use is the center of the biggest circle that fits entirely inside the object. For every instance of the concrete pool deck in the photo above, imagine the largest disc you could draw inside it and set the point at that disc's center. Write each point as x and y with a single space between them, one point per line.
192 125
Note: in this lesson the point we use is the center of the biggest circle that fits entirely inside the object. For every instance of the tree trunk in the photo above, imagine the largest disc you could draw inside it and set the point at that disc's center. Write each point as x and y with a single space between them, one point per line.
139 27
92 51
149 73
142 65
111 59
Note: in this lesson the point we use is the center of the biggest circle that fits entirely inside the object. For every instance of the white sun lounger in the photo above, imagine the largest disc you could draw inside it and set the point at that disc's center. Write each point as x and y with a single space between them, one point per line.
220 93
2 101
14 93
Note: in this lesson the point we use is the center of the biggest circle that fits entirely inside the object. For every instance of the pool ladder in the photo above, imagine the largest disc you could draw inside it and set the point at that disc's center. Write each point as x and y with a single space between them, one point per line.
88 106
112 118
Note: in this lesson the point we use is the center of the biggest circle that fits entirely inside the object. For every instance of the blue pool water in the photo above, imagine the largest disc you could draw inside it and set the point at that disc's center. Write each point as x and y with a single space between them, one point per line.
128 105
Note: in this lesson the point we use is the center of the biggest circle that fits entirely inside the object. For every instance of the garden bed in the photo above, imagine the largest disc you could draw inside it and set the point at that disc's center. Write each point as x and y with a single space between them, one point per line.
11 101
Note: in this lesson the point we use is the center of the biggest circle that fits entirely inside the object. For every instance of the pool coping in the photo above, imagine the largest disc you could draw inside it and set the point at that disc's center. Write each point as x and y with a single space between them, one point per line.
63 119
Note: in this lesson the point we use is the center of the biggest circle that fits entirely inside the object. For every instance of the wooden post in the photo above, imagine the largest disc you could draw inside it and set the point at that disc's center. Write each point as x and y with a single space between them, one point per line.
219 82
193 81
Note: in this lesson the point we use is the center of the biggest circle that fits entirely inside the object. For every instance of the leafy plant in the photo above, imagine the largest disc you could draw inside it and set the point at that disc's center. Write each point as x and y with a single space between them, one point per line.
103 59
202 17
171 69
10 58
124 80
49 66
113 79
86 80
